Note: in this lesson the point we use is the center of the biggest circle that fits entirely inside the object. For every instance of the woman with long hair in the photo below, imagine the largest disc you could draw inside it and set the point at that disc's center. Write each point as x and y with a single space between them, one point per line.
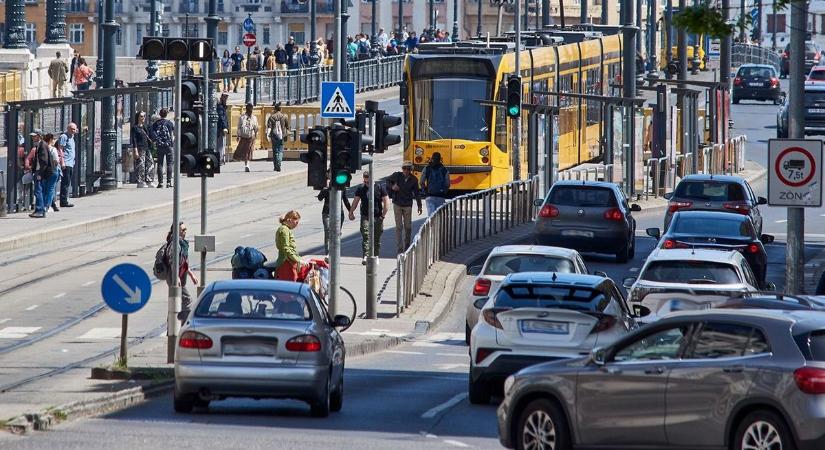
226 66
247 135
289 261
144 164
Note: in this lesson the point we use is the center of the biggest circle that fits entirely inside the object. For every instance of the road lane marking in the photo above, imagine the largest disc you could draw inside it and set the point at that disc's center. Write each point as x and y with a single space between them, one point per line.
88 283
634 269
374 333
60 295
246 235
451 366
16 332
4 320
455 443
32 307
101 333
446 405
402 352
782 221
460 355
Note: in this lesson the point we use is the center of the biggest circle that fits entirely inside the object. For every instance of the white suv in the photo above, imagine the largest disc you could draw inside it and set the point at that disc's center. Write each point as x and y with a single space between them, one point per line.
507 259
688 279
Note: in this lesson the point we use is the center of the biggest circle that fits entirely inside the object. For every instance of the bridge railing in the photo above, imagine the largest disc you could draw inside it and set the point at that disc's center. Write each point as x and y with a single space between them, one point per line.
754 54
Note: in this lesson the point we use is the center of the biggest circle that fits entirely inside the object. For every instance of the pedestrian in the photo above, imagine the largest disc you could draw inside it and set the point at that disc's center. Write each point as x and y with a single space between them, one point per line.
183 272
223 127
324 196
288 264
254 62
277 127
247 134
75 61
435 182
380 209
383 38
404 188
280 57
140 141
43 164
83 75
269 60
411 43
163 131
226 66
237 59
66 147
58 70
290 52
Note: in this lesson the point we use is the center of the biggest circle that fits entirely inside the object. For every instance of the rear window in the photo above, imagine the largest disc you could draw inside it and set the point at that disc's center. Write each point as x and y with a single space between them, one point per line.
816 346
713 191
582 196
763 72
715 227
817 75
814 98
810 48
566 297
249 304
691 272
507 264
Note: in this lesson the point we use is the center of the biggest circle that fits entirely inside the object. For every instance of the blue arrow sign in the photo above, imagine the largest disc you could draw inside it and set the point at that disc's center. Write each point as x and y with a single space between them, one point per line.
126 288
248 25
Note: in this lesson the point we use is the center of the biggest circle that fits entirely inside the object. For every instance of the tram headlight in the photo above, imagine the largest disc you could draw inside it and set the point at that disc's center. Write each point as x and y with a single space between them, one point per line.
419 151
484 151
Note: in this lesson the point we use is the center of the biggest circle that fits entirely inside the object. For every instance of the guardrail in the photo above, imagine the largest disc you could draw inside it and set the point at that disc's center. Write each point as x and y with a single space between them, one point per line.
588 172
754 54
469 217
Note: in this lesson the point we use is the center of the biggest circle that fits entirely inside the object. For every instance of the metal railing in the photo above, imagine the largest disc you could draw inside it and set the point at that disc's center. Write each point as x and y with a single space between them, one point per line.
469 217
754 54
587 172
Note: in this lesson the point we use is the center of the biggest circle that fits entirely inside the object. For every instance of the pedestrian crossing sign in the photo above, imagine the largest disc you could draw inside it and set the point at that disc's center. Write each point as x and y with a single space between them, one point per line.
337 100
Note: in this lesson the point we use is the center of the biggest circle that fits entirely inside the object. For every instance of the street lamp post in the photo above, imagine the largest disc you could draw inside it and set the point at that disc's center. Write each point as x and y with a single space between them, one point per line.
455 20
101 17
313 18
154 24
432 19
108 135
15 24
56 22
374 13
400 18
478 27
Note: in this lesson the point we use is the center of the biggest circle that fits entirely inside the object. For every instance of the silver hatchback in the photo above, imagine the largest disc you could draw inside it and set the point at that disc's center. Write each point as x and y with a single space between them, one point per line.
260 339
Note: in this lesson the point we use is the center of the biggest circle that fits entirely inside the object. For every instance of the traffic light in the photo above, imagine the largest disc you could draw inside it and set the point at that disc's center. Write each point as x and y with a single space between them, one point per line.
340 155
209 163
189 134
316 157
177 49
514 96
383 138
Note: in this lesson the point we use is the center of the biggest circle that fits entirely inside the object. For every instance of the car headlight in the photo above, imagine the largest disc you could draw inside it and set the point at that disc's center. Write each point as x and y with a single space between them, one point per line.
419 151
508 383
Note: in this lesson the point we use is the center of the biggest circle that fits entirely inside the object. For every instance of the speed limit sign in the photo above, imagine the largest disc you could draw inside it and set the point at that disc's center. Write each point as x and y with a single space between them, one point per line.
795 172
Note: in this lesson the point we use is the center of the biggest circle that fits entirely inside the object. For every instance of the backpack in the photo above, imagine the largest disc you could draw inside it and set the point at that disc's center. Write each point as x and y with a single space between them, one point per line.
246 130
162 265
437 181
45 161
163 137
363 47
252 63
277 128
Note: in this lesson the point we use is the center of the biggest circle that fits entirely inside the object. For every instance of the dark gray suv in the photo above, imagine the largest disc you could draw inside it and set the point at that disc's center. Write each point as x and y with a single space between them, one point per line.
737 379
708 192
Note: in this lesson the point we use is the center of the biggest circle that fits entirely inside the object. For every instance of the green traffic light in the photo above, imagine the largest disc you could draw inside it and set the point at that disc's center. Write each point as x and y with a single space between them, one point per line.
341 178
514 110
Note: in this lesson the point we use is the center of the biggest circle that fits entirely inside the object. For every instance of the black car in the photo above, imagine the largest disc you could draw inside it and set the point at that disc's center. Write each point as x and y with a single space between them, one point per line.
813 55
717 230
814 112
756 82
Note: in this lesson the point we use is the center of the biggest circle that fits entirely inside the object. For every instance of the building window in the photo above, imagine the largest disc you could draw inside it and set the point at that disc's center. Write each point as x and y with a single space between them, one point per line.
220 5
779 26
164 30
296 30
223 37
266 34
119 36
139 33
191 30
77 33
31 33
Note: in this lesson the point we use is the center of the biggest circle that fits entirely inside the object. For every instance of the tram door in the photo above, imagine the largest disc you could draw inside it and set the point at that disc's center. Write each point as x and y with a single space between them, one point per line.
543 145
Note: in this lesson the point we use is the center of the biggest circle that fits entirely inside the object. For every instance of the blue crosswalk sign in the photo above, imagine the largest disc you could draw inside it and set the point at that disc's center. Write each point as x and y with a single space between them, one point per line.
337 100
126 288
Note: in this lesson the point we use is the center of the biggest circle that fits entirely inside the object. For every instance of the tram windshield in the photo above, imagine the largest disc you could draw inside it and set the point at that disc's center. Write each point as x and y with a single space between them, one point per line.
449 108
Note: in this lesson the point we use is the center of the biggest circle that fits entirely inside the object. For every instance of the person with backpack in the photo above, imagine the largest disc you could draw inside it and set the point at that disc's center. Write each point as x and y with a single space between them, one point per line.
163 131
247 135
435 182
163 267
277 127
363 48
44 164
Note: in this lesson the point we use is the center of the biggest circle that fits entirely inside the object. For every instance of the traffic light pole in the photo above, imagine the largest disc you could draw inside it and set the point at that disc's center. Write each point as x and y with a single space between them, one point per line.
172 324
795 255
334 192
517 120
203 145
372 258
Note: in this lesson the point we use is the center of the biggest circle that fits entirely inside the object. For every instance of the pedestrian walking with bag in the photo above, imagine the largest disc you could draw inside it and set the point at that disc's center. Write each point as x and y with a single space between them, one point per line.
247 135
163 132
381 208
435 182
83 75
277 127
324 196
183 272
288 265
140 147
43 163
404 188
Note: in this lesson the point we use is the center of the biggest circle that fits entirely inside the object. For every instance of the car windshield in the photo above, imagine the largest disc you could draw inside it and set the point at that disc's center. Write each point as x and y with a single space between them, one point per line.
717 226
817 75
753 72
714 191
538 296
507 264
449 108
253 304
691 272
582 196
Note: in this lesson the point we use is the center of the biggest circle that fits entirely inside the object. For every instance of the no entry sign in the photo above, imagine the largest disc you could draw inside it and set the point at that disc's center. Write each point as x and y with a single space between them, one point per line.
795 172
249 39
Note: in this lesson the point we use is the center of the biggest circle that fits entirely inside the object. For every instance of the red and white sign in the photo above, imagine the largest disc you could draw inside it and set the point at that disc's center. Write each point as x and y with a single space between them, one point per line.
249 39
795 172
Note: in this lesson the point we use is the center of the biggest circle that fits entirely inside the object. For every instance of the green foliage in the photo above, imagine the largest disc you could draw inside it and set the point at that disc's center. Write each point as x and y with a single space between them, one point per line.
703 19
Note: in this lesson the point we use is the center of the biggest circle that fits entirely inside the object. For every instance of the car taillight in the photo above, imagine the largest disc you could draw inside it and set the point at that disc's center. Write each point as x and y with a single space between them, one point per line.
604 324
491 316
737 81
774 82
676 206
193 339
482 286
483 353
304 343
741 208
549 211
753 248
810 380
614 214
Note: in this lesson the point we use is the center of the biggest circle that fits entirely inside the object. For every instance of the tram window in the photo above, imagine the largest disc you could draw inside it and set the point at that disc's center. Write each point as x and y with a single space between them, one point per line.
501 120
448 108
593 106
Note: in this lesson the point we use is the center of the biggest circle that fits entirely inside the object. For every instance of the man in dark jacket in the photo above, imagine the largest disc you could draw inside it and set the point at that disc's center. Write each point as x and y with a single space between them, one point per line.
223 127
280 57
404 188
435 182
290 53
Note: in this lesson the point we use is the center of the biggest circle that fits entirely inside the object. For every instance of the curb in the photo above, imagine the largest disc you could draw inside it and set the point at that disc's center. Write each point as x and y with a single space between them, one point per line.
71 230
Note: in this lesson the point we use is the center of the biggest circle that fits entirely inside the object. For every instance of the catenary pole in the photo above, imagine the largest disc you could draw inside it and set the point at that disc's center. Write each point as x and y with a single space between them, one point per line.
172 323
795 254
517 119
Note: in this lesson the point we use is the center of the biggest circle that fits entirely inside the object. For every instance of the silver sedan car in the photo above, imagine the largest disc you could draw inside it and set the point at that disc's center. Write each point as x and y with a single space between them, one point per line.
260 339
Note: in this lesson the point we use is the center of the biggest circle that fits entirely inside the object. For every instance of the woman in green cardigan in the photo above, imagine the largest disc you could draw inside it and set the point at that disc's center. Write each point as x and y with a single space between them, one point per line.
289 261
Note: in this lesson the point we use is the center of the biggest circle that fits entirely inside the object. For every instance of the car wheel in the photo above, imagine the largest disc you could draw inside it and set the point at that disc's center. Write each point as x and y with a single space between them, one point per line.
321 406
776 101
763 429
479 392
467 332
624 254
183 403
201 403
337 400
632 252
542 426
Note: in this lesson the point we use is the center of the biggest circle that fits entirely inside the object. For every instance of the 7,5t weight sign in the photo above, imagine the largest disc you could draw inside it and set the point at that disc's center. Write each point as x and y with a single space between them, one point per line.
795 172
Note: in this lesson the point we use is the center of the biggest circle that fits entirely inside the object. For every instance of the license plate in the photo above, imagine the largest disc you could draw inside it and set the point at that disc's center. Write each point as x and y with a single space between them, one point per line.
249 349
544 326
577 233
755 84
816 110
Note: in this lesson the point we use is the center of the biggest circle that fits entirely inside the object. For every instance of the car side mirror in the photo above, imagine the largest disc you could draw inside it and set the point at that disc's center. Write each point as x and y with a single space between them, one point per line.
762 201
479 303
599 273
655 233
668 196
473 270
538 202
628 282
341 321
635 208
640 311
766 238
769 286
597 356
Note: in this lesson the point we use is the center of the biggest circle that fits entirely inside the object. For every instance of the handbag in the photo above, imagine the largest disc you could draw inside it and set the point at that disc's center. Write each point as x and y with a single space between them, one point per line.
129 160
28 177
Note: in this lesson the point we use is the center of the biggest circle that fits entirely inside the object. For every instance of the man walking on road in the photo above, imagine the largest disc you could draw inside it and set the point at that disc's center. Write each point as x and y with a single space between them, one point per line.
404 188
381 208
58 72
66 147
435 182
277 127
237 59
163 131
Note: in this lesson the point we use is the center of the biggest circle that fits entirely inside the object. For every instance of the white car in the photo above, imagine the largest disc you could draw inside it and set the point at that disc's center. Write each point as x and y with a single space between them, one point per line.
535 317
687 279
507 259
